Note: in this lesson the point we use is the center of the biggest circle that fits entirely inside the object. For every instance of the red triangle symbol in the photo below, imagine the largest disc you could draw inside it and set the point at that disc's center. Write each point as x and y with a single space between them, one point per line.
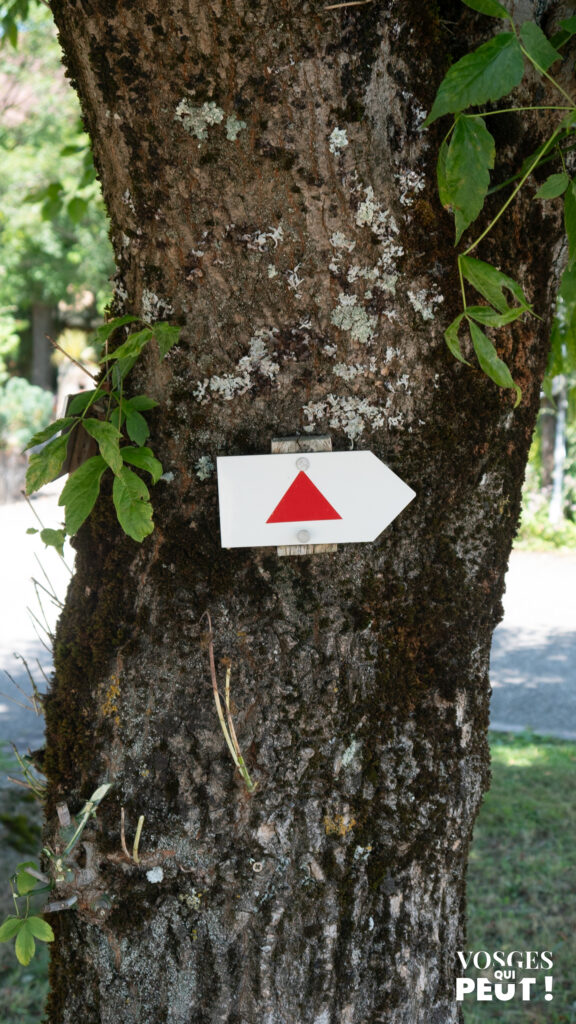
302 502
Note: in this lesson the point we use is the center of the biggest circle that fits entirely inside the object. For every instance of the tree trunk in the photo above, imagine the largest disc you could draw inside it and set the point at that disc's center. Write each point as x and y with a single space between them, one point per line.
547 442
42 327
556 509
269 189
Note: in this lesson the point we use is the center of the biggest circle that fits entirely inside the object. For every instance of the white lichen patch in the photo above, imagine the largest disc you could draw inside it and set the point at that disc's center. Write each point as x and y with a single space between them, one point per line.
372 214
263 241
411 183
128 201
204 467
154 308
387 283
395 421
259 360
339 241
349 316
356 271
233 127
294 279
272 272
155 875
197 119
362 852
338 140
425 302
350 753
349 413
350 372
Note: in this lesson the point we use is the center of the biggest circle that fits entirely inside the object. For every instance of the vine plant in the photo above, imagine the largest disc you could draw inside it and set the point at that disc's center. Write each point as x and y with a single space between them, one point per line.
30 885
119 427
465 160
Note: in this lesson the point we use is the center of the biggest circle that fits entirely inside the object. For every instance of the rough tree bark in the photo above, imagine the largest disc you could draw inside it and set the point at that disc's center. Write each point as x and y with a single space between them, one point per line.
269 189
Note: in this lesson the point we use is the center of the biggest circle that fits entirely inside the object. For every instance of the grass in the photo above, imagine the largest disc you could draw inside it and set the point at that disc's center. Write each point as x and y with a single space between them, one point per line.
521 882
23 990
522 873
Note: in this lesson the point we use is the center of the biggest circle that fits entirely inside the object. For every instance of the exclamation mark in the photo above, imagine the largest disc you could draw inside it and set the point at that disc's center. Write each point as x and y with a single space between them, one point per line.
548 984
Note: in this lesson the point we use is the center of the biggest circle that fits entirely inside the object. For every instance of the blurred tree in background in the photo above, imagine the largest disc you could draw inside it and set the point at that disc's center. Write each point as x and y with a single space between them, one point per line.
55 257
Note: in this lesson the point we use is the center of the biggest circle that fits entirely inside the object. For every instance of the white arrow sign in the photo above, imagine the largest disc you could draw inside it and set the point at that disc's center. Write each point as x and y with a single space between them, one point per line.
306 498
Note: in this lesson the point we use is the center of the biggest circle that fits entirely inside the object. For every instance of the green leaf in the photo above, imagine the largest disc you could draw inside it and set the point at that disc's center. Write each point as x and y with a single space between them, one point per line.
490 7
452 340
80 493
469 159
143 458
537 46
54 539
25 945
490 361
567 30
77 209
133 508
10 928
50 193
41 929
98 796
488 73
167 335
488 316
491 283
554 186
132 347
10 31
570 218
83 401
49 431
121 369
108 438
117 416
569 25
25 882
136 426
142 403
72 150
443 189
46 464
104 332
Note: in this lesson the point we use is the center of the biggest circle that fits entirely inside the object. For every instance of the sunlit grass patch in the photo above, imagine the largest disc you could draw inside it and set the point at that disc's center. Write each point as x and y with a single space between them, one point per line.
522 872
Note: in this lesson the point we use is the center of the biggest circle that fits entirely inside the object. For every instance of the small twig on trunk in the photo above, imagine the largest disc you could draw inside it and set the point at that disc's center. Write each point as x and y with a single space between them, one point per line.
134 855
352 3
123 834
227 725
71 358
137 839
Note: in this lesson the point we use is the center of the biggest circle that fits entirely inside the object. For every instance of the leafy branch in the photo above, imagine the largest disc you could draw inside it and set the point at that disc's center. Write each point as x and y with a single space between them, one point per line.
466 157
24 926
118 426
